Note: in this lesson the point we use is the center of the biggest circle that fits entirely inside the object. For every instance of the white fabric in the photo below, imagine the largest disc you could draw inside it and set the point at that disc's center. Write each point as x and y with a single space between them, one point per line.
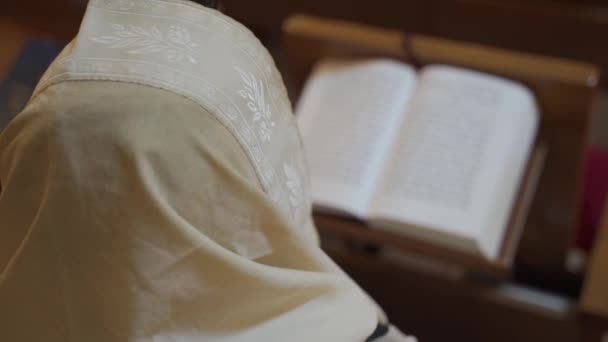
154 190
207 57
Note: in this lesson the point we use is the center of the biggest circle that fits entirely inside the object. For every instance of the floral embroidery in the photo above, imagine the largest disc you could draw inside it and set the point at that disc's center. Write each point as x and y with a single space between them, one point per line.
118 4
161 53
293 184
155 7
210 93
254 93
177 46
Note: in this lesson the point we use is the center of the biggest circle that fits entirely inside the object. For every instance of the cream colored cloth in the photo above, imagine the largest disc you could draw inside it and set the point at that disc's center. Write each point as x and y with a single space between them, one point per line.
154 189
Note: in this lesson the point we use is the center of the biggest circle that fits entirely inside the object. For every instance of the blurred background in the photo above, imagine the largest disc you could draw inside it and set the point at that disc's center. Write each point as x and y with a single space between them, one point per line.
574 29
544 299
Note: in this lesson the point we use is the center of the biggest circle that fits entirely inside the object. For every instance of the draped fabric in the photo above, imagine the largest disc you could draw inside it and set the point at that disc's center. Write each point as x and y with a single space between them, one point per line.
155 189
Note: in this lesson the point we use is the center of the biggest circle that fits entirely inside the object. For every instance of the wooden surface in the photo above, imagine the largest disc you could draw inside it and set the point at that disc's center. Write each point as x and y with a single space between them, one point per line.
563 88
309 39
439 308
353 230
594 301
565 92
571 29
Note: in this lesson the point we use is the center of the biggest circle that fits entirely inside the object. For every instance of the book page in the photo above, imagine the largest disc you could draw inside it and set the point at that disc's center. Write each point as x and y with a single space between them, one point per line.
348 114
461 152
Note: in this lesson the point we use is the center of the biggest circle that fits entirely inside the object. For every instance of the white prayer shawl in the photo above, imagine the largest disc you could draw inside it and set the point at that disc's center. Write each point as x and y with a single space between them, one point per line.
155 189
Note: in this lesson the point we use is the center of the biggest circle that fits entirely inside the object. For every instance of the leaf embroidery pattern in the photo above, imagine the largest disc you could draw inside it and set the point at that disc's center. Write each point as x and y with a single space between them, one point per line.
177 44
117 4
149 43
253 91
293 184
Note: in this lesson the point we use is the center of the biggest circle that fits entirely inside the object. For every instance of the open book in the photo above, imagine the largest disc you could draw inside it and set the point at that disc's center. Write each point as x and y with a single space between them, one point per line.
436 155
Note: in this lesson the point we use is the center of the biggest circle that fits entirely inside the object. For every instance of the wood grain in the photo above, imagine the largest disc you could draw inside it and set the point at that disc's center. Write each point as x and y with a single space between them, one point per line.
594 301
569 29
350 229
565 92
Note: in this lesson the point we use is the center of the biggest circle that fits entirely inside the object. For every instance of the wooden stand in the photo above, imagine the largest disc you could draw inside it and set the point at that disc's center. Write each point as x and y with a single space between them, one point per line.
594 301
350 229
564 90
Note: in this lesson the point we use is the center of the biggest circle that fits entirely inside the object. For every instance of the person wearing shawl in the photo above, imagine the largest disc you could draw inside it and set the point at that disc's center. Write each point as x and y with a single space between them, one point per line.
155 189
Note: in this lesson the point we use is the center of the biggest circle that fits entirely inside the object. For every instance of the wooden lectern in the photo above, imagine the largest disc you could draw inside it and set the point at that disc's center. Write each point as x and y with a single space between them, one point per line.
564 90
545 215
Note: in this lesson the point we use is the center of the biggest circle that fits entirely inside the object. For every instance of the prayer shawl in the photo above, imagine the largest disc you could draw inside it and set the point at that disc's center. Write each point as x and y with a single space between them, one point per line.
155 189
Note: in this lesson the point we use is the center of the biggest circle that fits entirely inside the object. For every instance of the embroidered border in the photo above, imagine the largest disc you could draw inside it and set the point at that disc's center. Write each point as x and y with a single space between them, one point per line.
177 45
